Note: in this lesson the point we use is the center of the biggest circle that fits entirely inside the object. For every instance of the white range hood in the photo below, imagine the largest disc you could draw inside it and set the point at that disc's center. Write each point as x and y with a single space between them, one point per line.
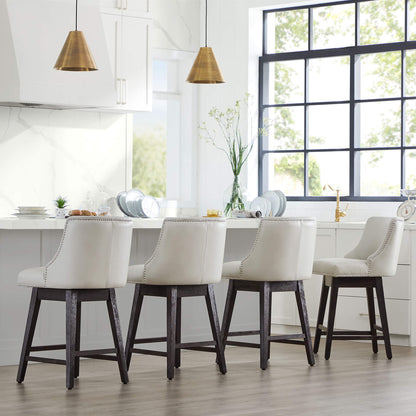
32 33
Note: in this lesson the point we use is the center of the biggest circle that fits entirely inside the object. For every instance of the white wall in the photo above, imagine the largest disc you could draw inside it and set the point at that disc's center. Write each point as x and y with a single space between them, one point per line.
78 154
234 32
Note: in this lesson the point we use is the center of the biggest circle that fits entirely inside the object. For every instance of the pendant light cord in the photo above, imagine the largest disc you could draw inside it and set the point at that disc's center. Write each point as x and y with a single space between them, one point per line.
76 14
206 22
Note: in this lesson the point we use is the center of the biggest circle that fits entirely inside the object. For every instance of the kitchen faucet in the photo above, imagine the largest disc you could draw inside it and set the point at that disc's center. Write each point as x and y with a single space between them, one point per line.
338 213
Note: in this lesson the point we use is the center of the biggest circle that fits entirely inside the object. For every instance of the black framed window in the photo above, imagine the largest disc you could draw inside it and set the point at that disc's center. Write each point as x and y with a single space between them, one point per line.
337 89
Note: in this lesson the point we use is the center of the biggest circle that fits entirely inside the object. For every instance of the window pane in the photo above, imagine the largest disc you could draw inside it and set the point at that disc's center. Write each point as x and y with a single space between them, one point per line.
329 126
149 148
380 173
329 79
286 82
287 31
410 80
381 21
380 75
378 124
410 180
412 20
333 26
286 128
410 123
284 171
328 168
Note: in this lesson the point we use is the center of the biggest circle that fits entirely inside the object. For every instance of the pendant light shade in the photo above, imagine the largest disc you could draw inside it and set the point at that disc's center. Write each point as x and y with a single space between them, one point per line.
75 55
205 69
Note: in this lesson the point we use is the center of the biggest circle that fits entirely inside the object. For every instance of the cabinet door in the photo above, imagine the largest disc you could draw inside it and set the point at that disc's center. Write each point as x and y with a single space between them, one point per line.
136 64
113 34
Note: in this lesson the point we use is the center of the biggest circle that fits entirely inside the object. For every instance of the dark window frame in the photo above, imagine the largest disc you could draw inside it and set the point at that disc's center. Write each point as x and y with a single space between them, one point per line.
352 52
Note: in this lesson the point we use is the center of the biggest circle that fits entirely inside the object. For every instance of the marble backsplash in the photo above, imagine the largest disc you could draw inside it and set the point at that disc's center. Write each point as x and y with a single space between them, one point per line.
45 153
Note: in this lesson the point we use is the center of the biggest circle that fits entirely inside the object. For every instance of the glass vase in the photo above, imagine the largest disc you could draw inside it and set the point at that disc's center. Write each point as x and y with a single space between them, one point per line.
235 197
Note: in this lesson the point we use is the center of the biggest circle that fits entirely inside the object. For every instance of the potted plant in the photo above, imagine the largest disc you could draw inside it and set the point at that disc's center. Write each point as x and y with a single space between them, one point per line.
61 203
236 150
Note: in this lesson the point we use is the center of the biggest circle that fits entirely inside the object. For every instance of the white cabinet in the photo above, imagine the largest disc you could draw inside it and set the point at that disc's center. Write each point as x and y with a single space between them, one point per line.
139 7
128 43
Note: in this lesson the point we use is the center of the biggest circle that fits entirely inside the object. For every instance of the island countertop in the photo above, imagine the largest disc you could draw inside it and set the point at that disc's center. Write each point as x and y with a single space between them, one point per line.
9 223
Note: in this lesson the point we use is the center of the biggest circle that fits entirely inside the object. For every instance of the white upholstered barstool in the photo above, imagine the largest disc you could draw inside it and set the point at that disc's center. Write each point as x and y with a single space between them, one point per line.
187 262
92 260
376 255
280 259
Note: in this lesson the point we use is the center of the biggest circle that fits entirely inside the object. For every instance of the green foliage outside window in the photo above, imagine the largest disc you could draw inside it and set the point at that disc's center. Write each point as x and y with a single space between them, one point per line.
149 161
291 29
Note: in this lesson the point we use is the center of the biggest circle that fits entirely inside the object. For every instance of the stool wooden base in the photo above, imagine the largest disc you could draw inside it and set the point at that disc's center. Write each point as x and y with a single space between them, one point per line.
265 289
73 299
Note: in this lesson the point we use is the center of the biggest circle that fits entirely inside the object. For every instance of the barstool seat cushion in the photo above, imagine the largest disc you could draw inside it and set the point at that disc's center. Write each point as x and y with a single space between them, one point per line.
33 277
341 267
136 274
231 270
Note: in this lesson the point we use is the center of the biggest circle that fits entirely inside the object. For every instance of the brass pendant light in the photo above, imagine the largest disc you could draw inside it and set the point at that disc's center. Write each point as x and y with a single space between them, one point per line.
205 69
75 55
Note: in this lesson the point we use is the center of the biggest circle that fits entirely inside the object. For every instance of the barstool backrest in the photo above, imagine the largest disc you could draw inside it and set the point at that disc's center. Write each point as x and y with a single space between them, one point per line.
189 251
94 253
283 250
380 245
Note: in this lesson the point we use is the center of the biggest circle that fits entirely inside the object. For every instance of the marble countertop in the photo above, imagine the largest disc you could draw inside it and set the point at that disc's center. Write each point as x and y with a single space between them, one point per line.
9 223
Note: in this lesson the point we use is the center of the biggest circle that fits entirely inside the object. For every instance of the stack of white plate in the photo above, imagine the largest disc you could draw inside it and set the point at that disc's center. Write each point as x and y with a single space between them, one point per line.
135 203
31 212
270 204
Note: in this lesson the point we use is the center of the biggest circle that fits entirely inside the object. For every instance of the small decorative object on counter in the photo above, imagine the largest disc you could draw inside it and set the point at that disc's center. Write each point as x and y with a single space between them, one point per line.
61 204
82 213
235 149
214 213
241 213
407 209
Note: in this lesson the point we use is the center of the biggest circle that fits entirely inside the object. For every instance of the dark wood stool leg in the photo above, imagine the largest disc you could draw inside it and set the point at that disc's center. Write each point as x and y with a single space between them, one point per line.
372 317
134 321
29 333
321 315
215 327
264 321
178 332
270 323
383 316
78 339
303 316
71 325
331 317
117 337
172 297
228 312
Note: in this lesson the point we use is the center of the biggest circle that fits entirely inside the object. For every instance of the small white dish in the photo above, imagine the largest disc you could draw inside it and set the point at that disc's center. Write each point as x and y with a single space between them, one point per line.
275 201
149 207
282 198
130 200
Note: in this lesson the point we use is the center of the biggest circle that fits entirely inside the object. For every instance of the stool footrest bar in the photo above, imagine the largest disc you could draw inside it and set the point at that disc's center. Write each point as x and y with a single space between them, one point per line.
46 360
243 344
149 352
48 347
241 333
149 340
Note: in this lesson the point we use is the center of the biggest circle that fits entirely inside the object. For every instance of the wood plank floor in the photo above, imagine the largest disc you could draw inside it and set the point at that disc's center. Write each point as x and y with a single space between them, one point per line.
354 382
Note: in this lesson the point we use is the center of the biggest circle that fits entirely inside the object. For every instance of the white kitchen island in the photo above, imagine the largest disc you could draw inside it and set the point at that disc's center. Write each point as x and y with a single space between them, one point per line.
31 243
